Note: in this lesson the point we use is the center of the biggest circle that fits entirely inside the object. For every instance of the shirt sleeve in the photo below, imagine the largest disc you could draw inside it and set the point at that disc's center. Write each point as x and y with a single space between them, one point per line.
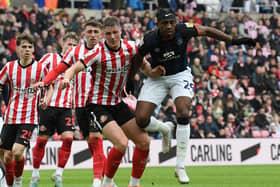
91 57
4 75
68 58
188 29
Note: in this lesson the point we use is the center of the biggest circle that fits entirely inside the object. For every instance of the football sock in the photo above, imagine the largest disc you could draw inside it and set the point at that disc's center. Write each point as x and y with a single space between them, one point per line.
182 137
113 162
96 145
139 162
64 152
19 165
10 173
39 152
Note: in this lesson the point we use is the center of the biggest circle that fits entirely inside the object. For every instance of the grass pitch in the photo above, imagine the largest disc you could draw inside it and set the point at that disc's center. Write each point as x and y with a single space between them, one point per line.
212 176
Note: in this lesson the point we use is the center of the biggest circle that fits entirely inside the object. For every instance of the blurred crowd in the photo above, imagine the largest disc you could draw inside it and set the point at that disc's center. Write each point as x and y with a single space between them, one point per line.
236 88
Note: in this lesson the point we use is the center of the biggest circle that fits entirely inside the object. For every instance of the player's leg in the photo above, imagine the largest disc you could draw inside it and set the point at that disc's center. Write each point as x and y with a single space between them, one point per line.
182 91
124 116
95 143
141 151
23 136
103 118
64 127
46 129
152 93
8 136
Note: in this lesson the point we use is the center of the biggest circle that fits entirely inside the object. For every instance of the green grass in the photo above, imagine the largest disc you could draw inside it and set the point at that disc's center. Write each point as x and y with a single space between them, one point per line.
212 176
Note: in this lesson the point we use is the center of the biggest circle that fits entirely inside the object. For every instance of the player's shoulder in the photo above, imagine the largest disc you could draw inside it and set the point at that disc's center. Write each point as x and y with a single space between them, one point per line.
151 34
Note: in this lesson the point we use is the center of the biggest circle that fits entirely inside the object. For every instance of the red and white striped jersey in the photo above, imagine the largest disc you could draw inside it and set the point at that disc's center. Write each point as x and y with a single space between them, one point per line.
23 103
61 98
109 71
83 80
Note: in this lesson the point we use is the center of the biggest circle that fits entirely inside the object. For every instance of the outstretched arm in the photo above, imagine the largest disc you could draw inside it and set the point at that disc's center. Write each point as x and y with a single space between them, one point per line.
79 66
219 35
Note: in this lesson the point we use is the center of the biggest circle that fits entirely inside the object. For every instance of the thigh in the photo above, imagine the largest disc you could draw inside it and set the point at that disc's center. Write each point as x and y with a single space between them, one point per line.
136 134
82 117
122 113
100 115
47 121
8 136
64 120
24 134
181 84
153 90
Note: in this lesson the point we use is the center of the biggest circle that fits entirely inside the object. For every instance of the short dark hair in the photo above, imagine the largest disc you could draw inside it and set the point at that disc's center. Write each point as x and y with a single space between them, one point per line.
111 21
24 36
165 14
71 35
93 23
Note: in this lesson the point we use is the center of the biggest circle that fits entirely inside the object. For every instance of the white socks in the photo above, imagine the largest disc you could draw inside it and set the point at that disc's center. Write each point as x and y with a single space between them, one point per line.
182 137
107 181
134 181
35 172
59 171
156 125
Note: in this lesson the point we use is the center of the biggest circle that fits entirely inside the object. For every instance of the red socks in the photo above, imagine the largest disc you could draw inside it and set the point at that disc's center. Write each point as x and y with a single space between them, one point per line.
10 173
19 165
64 152
39 152
139 162
96 147
113 162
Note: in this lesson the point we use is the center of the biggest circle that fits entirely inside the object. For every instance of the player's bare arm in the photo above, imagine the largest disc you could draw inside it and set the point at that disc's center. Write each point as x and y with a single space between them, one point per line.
73 70
219 35
46 99
155 72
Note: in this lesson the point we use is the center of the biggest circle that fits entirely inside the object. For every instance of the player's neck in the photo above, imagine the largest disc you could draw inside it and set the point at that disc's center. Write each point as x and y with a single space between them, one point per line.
89 45
25 62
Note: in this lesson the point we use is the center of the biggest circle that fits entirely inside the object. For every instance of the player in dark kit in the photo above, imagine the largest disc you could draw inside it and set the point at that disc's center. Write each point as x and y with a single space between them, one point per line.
167 46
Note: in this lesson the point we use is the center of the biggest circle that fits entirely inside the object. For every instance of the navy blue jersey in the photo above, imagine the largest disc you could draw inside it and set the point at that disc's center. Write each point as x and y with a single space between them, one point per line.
172 54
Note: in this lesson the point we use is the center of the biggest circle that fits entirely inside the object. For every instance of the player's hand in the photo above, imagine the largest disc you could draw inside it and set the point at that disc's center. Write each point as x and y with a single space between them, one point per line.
157 71
245 40
38 85
43 103
64 83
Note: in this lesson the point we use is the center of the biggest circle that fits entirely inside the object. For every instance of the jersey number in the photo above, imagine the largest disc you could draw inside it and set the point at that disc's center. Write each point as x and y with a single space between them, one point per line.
68 121
188 85
26 134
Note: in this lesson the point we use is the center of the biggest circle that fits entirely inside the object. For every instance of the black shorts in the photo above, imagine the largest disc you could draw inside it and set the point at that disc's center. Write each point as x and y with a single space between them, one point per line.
15 133
103 114
84 121
55 119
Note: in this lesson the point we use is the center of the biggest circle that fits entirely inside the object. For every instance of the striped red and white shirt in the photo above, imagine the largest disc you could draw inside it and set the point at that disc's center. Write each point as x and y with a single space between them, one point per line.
23 103
110 71
61 98
83 80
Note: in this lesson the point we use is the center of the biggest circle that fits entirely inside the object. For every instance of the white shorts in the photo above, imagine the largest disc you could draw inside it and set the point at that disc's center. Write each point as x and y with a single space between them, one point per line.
154 90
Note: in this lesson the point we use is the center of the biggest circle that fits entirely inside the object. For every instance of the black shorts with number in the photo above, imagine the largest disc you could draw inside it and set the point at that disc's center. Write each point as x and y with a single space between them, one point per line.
84 121
55 119
103 114
15 133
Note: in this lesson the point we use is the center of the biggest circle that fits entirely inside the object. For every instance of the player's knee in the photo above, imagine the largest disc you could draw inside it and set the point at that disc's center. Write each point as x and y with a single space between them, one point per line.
8 156
121 145
142 120
144 144
17 154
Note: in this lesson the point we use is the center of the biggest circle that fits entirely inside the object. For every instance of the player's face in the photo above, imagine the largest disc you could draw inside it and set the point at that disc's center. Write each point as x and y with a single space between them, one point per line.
70 42
93 35
113 36
25 50
167 28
